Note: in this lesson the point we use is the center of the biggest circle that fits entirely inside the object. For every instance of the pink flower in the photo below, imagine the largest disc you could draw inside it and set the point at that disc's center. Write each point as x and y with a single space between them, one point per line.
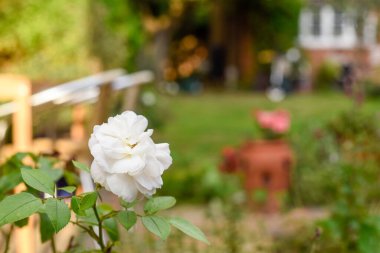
276 121
264 119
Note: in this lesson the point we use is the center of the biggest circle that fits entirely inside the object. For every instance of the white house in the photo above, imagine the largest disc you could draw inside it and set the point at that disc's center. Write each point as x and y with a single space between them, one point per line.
329 28
330 34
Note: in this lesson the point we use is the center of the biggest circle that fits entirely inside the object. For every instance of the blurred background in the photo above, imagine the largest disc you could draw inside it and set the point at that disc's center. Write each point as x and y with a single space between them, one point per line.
314 187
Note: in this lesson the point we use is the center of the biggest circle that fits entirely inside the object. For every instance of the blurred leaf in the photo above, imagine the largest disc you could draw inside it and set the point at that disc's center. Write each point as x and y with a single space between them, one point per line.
58 213
75 206
8 182
110 225
104 208
20 156
17 207
54 174
157 225
88 200
17 159
69 189
46 228
126 204
22 223
71 178
47 165
189 229
38 180
81 166
127 219
369 239
156 204
89 217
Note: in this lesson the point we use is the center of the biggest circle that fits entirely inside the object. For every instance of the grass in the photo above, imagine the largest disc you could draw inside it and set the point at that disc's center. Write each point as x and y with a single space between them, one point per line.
198 127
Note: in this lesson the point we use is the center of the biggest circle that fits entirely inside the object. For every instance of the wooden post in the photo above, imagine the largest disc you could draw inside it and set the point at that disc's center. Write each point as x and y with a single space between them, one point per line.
102 106
18 89
78 130
22 118
130 99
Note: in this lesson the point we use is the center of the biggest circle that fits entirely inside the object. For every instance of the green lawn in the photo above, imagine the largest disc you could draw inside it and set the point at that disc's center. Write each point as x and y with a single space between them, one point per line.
198 127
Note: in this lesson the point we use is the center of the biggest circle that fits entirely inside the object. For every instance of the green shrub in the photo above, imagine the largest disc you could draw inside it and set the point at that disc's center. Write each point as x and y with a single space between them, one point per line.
327 75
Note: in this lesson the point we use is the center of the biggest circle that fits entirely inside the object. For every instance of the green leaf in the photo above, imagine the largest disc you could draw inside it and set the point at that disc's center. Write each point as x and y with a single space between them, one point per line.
127 219
46 228
54 174
368 239
22 223
189 229
156 204
38 180
81 166
104 208
75 206
157 225
71 178
110 225
126 204
46 165
88 200
89 217
58 213
9 181
20 156
69 189
17 207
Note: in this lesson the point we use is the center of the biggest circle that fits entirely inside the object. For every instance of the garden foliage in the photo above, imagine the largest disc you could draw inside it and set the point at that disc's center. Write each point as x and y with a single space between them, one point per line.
39 173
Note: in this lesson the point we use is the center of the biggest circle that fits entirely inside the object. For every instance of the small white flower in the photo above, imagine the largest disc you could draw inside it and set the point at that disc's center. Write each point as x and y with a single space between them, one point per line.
126 160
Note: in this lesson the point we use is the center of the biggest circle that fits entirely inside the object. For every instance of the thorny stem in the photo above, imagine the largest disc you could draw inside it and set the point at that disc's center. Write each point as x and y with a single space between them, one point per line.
100 241
109 215
52 241
89 231
109 247
8 239
70 245
315 239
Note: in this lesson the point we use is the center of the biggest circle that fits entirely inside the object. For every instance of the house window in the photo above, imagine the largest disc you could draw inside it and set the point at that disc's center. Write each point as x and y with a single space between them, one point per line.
338 23
316 23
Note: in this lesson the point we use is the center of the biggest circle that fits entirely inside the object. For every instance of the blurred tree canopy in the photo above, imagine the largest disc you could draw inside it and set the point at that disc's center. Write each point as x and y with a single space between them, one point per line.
273 23
43 39
60 40
116 32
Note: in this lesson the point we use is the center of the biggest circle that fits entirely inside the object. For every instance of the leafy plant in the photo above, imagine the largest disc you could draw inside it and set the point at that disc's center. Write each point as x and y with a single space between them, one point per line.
351 227
91 216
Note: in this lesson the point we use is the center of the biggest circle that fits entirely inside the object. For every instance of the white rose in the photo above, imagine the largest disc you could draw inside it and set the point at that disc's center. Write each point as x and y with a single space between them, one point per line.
126 160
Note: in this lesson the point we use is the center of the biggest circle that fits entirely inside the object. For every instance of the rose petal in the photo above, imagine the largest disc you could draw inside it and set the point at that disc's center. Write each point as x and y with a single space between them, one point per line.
131 165
97 152
123 186
147 182
145 191
163 155
97 173
139 126
153 167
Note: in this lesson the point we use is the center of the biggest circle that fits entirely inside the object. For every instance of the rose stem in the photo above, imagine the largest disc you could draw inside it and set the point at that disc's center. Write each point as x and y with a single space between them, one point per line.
101 243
